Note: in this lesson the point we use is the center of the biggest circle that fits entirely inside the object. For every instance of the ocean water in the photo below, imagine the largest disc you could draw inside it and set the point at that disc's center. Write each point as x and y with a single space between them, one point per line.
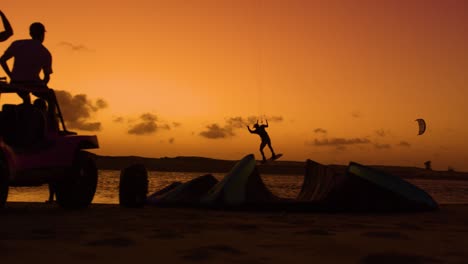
288 186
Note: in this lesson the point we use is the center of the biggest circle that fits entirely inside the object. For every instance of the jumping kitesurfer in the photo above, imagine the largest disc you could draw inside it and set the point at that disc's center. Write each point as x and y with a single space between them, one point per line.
260 130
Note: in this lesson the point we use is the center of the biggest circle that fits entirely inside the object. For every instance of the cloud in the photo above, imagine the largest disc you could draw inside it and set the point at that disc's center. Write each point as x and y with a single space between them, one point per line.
341 148
340 141
147 124
78 109
236 122
118 119
74 47
176 124
381 132
382 146
320 130
275 119
356 114
404 144
171 141
100 104
214 131
241 122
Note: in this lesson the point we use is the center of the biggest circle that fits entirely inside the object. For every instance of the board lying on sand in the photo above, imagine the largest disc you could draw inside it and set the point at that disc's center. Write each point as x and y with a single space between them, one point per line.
359 188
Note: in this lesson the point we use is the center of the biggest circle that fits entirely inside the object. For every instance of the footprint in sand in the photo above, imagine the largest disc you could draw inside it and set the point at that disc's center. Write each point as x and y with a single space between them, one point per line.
43 234
316 232
245 227
205 253
389 235
165 234
387 258
409 226
112 242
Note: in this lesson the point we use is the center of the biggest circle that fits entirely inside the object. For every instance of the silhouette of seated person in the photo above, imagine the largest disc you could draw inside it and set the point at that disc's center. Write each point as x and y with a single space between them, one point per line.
30 58
260 130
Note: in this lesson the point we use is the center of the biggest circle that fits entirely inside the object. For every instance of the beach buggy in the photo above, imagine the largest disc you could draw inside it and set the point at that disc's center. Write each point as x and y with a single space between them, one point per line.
36 149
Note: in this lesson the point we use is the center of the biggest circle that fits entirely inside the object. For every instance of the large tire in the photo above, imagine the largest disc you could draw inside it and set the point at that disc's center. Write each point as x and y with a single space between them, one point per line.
133 186
3 183
77 188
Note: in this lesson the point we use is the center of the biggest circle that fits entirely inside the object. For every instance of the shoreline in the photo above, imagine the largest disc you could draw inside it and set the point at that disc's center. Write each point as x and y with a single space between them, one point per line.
106 233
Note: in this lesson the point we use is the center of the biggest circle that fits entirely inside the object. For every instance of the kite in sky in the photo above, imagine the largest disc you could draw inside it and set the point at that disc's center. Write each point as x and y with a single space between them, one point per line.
422 126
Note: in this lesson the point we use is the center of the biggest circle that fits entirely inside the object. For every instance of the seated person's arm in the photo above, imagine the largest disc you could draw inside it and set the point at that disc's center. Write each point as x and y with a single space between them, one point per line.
47 70
46 78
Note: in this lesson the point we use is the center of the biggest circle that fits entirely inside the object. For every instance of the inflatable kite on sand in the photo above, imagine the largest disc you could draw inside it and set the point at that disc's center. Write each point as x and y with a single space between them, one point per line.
359 188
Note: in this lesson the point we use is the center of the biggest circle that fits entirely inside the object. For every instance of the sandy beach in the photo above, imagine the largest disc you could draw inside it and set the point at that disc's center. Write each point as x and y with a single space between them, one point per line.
106 233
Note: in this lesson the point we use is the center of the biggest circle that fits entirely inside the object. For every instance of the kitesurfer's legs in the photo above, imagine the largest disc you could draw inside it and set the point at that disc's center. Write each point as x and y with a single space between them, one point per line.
273 155
262 145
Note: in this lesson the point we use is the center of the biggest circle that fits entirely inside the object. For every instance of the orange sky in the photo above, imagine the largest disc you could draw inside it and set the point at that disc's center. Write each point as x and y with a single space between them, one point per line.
359 72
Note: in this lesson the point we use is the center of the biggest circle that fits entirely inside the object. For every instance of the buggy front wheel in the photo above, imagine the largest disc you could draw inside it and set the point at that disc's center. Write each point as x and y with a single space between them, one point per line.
77 188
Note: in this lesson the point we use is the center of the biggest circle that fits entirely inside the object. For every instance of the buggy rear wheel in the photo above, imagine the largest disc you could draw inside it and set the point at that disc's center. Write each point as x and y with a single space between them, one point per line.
3 183
77 188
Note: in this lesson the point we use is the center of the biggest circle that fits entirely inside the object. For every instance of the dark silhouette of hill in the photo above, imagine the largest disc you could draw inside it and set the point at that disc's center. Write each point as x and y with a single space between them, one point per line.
192 164
209 165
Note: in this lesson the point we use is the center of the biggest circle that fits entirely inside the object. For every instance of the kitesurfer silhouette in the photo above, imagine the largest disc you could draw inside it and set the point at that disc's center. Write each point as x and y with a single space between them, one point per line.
260 130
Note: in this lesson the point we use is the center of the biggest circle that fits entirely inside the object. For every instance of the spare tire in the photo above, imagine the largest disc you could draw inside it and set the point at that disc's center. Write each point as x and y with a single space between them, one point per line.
133 186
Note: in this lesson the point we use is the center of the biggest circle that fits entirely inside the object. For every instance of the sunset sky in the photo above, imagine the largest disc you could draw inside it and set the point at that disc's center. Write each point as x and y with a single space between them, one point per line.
339 81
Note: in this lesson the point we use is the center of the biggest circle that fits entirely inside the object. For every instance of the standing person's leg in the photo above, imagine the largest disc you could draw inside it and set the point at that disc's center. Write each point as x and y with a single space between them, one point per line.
262 145
51 193
271 149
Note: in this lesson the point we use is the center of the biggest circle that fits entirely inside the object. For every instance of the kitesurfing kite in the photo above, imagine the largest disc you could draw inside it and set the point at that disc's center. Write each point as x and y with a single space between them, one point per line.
422 126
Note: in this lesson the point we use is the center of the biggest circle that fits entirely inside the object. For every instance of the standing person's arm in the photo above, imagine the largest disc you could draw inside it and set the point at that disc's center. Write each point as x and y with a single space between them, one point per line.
8 29
266 122
251 131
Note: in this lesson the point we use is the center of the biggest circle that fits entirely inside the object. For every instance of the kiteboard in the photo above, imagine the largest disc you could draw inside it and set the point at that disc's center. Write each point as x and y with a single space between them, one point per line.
277 156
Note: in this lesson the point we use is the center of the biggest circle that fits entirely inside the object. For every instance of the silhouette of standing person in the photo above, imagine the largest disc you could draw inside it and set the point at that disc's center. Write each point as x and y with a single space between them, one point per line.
260 130
41 105
8 30
30 58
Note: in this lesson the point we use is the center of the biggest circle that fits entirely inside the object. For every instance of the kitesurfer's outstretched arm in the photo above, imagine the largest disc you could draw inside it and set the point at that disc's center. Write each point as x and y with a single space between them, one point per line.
4 35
